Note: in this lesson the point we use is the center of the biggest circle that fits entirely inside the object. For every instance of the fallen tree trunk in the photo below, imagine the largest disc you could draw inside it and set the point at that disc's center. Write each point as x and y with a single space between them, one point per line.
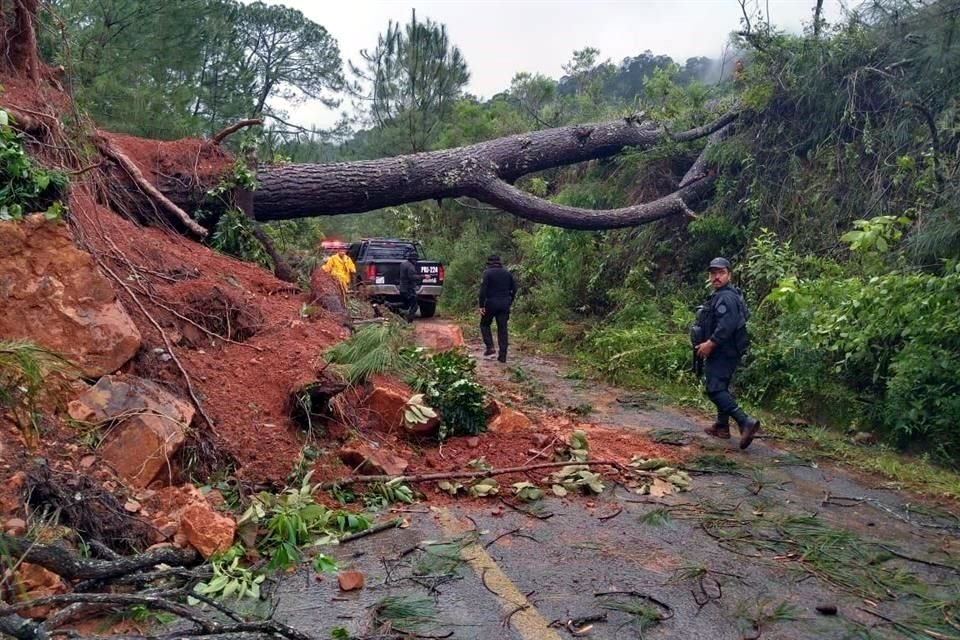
482 171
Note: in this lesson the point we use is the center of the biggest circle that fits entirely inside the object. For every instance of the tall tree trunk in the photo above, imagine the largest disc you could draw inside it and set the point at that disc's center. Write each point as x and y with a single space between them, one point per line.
19 39
484 171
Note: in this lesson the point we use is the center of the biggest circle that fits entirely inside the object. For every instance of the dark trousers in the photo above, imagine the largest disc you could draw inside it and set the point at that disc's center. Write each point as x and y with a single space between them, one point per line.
501 314
409 306
719 369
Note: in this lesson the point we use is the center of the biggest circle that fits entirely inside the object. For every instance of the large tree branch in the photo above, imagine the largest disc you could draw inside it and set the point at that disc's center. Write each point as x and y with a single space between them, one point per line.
299 190
698 170
525 205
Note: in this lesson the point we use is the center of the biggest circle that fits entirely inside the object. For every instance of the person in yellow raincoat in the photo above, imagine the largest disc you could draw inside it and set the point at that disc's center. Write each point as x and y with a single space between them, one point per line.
341 267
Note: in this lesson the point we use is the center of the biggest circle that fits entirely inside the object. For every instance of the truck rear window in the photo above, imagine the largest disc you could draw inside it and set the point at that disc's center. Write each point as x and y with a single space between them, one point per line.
387 251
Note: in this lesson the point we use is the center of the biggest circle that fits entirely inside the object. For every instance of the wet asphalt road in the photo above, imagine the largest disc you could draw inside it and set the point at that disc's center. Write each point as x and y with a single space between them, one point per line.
505 574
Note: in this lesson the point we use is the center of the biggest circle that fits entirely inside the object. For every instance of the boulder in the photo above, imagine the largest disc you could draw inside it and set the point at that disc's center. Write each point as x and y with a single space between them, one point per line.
385 403
507 420
32 582
184 515
365 459
10 493
151 428
385 406
206 530
53 294
438 337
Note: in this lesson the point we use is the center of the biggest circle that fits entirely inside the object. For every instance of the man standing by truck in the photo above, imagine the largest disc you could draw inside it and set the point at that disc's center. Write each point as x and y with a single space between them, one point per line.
723 322
409 283
497 291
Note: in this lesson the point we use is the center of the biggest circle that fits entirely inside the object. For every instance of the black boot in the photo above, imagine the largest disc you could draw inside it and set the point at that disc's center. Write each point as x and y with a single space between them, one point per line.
748 431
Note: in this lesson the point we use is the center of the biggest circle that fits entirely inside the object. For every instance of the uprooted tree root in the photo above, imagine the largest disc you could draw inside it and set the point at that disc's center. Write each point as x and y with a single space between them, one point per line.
223 313
79 502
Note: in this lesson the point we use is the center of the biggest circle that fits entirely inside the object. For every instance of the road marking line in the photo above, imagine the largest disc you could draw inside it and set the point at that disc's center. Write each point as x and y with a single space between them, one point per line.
525 618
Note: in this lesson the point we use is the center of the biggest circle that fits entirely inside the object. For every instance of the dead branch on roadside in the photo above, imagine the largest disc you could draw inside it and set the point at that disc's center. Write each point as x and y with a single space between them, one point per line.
470 475
227 131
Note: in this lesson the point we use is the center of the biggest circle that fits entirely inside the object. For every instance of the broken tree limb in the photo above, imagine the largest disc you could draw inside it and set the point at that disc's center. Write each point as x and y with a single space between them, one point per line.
67 565
484 171
461 475
526 205
21 628
136 175
698 170
228 131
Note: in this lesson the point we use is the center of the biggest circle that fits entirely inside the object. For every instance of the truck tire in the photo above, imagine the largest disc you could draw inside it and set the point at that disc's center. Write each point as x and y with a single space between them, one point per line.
428 308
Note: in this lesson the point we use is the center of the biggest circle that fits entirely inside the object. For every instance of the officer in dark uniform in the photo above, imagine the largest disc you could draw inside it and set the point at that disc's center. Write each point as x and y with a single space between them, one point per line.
409 283
498 288
726 328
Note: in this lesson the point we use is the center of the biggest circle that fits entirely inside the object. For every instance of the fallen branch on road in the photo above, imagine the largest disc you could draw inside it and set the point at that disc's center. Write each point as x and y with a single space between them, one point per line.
471 475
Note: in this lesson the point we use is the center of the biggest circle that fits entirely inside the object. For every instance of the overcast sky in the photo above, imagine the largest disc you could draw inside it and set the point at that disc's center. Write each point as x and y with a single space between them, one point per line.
500 38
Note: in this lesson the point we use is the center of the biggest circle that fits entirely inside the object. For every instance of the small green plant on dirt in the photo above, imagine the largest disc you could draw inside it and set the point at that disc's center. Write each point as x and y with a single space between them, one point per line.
302 465
416 411
234 235
28 372
447 382
293 519
230 580
25 186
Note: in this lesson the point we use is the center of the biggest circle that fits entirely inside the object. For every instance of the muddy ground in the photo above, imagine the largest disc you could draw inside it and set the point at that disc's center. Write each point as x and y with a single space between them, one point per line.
764 538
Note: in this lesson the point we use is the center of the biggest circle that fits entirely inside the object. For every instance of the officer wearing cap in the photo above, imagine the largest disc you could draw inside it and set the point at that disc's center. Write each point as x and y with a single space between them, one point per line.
409 283
726 328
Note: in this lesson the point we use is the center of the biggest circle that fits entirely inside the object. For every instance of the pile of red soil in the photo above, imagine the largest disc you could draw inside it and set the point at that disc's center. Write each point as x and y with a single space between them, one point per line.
243 385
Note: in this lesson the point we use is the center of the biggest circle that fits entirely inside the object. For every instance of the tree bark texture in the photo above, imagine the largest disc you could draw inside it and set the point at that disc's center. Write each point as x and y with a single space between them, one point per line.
18 39
484 171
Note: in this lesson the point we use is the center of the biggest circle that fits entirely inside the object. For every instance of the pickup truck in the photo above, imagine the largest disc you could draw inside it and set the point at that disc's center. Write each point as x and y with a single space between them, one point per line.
378 272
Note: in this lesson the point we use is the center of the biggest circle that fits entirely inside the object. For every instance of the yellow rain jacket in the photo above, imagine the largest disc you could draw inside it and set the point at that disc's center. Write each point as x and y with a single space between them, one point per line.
341 268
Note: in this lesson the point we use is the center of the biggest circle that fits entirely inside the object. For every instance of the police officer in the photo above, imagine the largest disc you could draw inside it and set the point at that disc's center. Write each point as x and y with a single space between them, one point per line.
721 351
409 283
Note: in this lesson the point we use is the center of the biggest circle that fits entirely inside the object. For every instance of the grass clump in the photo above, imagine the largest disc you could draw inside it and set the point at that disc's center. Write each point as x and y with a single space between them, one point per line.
25 379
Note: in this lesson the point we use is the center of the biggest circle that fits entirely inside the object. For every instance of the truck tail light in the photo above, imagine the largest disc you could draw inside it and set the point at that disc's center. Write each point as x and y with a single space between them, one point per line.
371 272
440 274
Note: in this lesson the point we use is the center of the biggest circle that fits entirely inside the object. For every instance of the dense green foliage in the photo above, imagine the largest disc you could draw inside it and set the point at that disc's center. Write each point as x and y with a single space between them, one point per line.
25 187
836 196
183 67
